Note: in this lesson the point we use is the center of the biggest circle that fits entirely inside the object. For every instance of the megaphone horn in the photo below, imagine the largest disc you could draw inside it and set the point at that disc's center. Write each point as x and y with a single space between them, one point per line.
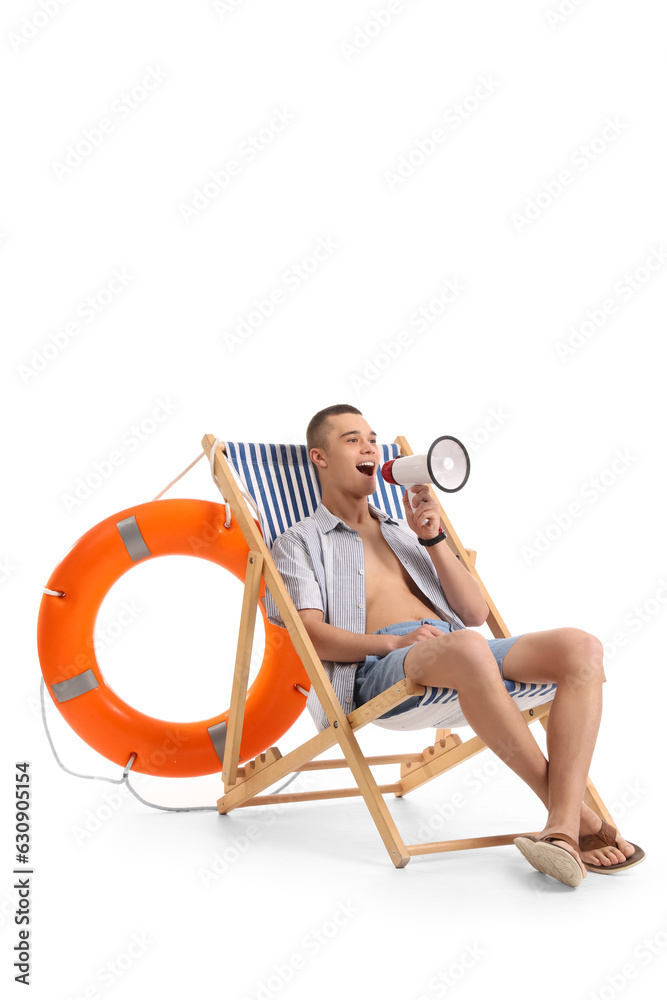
446 464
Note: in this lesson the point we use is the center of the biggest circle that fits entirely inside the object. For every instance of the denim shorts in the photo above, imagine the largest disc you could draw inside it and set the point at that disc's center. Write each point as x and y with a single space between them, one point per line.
377 673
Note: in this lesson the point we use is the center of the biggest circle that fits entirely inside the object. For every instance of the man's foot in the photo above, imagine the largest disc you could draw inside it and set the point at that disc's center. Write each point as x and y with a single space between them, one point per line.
603 849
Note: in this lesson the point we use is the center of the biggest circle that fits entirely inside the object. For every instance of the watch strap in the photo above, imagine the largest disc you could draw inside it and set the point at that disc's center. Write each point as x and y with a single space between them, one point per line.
432 541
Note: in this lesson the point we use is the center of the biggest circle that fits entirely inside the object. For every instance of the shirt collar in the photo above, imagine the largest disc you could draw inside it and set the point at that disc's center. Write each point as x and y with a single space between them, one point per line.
327 521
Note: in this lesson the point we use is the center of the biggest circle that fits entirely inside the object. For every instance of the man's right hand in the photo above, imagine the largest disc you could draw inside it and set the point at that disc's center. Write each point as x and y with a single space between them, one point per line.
418 635
333 643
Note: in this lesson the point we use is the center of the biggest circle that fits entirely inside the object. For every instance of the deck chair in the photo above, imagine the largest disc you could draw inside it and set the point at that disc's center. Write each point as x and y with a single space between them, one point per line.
281 487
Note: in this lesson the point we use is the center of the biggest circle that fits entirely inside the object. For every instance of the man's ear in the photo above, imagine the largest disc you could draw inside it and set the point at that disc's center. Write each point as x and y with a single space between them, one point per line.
318 458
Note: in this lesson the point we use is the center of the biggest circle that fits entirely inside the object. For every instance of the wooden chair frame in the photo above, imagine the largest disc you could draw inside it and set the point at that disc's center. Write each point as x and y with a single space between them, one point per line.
243 785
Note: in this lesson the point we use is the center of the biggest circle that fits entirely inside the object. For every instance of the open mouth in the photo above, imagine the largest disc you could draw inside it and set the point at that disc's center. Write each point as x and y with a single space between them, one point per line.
367 468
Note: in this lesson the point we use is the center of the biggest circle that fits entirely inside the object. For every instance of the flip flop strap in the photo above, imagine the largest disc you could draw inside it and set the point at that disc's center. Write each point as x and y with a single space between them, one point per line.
564 837
605 837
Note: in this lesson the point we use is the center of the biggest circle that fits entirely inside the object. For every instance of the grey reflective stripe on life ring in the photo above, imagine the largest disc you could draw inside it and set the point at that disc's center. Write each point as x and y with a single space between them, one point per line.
218 736
133 540
72 688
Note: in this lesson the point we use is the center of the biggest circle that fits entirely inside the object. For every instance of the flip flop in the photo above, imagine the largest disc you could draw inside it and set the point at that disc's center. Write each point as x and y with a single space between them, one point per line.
550 859
606 837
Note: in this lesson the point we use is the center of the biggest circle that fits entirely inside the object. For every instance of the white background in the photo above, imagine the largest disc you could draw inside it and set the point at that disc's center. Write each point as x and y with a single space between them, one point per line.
564 503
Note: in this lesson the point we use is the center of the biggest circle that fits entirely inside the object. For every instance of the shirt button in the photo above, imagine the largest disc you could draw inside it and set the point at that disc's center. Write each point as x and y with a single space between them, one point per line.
360 605
361 572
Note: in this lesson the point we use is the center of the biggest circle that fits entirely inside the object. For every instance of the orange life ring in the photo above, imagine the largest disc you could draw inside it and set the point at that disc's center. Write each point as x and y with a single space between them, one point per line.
75 681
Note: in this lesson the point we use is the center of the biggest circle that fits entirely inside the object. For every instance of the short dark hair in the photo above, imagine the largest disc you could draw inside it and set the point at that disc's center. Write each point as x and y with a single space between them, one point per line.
319 427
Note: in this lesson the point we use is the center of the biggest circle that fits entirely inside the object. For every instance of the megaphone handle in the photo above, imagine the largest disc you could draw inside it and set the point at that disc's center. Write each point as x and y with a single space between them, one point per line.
410 496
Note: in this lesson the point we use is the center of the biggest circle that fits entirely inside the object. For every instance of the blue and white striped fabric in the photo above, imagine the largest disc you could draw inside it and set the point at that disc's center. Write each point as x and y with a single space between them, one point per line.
440 707
282 481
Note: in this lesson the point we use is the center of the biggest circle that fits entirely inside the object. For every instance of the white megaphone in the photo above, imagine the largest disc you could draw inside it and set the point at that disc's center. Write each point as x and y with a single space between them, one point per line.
446 464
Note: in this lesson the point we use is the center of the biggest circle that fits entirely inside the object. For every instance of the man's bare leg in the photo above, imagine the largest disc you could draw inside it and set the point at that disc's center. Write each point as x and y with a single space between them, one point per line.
573 659
462 660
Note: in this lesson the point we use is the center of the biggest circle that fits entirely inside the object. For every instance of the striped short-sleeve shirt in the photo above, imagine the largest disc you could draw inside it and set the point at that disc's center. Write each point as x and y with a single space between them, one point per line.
321 560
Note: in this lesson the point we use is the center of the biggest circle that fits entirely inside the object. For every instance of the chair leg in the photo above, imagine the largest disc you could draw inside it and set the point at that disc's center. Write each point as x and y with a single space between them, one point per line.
592 799
272 766
373 797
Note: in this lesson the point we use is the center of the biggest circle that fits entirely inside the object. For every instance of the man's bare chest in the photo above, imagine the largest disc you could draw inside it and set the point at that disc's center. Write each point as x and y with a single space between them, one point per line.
391 593
381 564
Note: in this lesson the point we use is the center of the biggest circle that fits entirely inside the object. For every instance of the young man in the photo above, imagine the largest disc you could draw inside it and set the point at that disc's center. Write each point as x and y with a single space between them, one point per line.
377 609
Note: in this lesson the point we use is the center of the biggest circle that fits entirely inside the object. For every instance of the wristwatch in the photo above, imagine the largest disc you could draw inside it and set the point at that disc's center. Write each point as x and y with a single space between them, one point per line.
432 541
